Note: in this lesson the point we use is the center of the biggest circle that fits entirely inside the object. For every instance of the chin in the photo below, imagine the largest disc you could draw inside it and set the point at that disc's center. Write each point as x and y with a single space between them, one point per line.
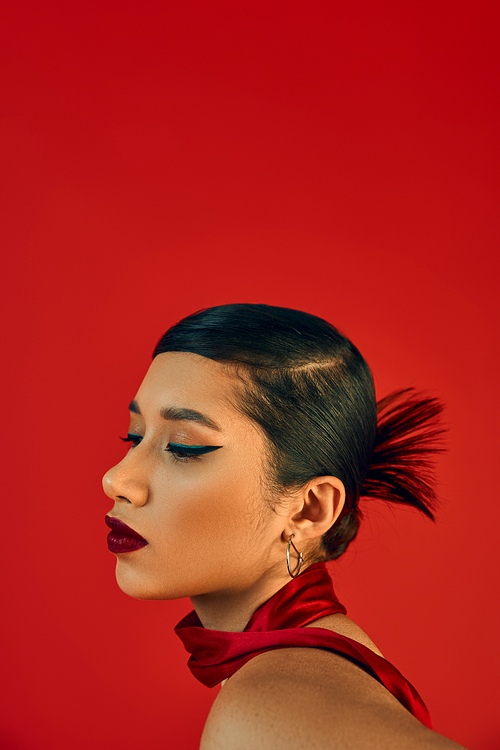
140 586
132 583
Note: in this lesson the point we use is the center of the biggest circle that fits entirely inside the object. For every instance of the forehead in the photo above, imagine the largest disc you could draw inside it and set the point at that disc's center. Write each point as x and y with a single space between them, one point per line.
188 381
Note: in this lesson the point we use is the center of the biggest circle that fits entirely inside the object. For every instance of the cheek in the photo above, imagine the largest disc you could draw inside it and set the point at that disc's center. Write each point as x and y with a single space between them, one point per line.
196 509
207 530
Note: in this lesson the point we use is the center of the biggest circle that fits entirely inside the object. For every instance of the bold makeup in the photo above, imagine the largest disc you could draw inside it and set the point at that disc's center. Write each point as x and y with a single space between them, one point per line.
187 450
192 450
122 538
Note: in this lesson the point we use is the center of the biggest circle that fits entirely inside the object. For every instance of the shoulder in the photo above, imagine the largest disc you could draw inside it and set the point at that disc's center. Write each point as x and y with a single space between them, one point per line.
344 626
310 698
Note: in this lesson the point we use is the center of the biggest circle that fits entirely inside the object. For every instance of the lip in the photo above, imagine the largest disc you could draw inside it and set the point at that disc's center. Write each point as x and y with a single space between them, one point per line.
122 538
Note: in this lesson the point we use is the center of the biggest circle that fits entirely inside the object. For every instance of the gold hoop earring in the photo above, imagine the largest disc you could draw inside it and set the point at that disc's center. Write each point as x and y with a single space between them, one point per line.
288 558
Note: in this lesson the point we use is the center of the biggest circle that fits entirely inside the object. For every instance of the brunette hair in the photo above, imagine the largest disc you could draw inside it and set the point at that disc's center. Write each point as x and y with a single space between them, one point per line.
312 393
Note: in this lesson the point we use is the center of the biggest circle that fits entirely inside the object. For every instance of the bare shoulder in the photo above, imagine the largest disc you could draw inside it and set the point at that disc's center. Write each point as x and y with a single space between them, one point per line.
303 698
344 626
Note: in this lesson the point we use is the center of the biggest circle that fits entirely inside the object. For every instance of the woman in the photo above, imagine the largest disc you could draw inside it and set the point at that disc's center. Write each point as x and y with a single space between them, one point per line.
253 436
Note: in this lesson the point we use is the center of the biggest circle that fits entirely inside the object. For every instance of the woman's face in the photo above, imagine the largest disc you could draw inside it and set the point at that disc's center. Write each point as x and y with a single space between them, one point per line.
205 517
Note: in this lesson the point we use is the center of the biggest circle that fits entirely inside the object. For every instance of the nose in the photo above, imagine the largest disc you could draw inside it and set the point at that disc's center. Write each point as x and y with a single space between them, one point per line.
121 483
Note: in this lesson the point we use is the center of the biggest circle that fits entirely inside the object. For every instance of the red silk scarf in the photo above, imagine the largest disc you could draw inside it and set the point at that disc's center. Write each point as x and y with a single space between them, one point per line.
279 623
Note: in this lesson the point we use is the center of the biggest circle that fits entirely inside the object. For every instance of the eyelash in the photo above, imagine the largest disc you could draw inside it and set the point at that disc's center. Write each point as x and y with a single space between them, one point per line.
180 453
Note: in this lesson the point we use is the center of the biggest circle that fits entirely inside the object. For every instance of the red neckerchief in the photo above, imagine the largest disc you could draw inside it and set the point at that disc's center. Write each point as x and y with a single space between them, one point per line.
279 623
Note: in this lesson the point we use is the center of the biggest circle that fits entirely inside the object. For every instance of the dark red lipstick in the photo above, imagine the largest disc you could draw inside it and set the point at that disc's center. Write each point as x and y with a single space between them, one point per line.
122 538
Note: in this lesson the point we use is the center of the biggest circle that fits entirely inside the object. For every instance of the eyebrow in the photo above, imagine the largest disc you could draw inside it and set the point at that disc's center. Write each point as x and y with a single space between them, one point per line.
180 414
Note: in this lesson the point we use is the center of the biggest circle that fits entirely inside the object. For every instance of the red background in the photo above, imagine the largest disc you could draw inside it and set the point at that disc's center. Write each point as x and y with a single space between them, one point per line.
341 158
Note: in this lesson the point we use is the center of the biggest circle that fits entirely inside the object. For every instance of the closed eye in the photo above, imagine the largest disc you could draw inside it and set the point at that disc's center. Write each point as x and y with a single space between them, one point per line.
182 452
179 451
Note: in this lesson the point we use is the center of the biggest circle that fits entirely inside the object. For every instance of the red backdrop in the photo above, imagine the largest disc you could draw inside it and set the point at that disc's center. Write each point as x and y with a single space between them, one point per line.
160 157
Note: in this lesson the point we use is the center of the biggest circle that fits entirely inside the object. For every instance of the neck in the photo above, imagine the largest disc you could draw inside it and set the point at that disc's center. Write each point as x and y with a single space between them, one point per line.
230 610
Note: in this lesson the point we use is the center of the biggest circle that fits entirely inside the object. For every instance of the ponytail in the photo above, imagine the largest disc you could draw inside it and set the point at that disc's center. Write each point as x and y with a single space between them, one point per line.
409 435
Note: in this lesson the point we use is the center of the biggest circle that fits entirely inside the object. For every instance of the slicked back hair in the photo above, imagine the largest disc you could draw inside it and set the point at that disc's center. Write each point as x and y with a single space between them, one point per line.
311 392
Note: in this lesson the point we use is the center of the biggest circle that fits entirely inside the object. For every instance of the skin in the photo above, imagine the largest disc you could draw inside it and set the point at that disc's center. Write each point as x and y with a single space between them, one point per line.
210 512
213 536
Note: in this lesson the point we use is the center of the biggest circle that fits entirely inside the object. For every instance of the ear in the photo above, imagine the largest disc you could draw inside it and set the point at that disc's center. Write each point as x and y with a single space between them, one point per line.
322 500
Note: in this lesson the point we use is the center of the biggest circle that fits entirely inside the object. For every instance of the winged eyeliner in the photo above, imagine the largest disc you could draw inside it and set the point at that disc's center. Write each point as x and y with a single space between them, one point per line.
195 450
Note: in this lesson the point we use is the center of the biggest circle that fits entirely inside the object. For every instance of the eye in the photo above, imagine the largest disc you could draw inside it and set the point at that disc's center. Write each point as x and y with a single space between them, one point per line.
131 438
186 452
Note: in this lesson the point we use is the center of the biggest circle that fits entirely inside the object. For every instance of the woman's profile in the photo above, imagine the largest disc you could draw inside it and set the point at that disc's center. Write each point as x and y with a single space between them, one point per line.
253 436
